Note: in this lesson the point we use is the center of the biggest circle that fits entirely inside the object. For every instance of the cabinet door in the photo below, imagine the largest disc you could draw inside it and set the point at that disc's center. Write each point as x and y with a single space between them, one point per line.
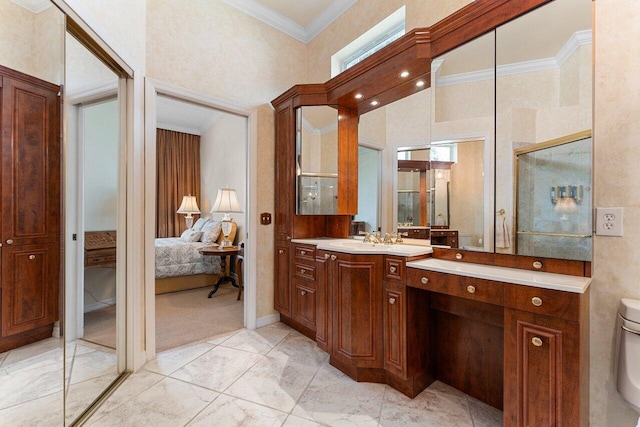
30 163
30 283
284 173
356 286
282 291
542 370
394 321
304 303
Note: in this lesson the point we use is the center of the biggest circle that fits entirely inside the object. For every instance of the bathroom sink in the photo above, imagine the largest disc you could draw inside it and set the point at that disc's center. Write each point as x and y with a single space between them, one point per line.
359 247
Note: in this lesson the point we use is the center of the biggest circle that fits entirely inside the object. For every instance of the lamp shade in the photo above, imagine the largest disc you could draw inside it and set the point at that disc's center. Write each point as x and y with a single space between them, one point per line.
226 201
189 205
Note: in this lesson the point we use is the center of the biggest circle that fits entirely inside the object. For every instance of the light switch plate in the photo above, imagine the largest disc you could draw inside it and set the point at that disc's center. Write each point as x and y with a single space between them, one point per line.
609 221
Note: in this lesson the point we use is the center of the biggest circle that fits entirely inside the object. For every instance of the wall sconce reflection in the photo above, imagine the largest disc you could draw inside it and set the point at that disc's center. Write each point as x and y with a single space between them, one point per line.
565 199
575 192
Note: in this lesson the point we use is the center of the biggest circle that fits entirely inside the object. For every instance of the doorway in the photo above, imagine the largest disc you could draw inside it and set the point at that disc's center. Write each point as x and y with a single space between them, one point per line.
226 140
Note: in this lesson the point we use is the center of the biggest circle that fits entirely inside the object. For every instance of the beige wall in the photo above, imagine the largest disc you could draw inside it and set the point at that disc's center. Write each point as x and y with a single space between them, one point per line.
616 183
223 163
32 43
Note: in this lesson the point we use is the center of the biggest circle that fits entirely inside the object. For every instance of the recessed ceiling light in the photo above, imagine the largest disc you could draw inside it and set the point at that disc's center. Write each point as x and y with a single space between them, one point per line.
374 103
358 96
420 83
404 74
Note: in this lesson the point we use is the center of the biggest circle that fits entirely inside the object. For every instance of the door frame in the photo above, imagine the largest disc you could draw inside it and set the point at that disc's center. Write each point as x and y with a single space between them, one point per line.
153 88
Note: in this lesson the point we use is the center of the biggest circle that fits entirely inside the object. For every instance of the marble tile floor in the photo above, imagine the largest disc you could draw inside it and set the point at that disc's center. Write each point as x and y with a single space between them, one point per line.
273 376
32 381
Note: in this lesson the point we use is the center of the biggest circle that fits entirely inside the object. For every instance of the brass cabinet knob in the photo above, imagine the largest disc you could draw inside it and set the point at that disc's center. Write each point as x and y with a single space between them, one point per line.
536 341
288 237
303 293
392 269
471 289
458 255
32 257
280 251
537 301
537 265
424 280
9 242
333 257
303 252
392 300
326 256
302 271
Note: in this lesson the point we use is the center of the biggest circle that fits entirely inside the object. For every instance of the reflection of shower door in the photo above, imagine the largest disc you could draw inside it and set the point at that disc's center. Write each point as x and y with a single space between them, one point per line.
553 199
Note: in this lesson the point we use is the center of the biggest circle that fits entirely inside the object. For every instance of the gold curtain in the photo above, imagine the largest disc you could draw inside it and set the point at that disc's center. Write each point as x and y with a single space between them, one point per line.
177 175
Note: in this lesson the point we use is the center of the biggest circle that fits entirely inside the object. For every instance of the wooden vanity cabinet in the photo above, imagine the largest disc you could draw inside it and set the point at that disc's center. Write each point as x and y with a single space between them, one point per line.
546 357
354 284
304 285
407 331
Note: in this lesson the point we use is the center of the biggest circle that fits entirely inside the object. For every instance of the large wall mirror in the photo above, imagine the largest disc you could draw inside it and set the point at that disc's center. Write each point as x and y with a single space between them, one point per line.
55 379
543 122
444 152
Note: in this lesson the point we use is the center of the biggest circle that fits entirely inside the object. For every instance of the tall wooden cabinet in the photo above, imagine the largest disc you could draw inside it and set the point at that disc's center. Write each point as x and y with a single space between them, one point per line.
31 208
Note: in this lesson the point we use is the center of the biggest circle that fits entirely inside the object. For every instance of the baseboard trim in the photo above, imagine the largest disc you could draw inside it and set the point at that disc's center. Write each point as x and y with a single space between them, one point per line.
267 320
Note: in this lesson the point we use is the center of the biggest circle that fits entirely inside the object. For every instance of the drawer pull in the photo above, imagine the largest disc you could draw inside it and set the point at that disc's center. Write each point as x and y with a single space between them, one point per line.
288 237
458 255
303 252
32 257
392 300
302 271
333 257
303 293
9 242
280 251
537 301
392 269
424 280
471 289
536 341
537 265
326 256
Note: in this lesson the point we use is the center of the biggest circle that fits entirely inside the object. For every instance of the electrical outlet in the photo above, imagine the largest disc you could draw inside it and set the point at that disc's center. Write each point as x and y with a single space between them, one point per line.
609 221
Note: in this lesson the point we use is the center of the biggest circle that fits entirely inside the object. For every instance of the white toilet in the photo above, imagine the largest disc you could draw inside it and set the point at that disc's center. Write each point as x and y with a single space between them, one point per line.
627 361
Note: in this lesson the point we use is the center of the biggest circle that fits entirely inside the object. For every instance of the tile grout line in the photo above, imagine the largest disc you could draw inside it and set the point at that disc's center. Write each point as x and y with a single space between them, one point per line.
262 356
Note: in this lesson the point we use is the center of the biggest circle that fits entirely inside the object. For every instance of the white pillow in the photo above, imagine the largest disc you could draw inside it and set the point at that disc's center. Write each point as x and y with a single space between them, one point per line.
211 232
200 223
189 235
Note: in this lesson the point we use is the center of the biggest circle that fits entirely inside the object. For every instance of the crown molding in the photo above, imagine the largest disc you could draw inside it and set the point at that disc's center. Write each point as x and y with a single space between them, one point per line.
576 40
34 6
326 18
311 129
288 26
216 116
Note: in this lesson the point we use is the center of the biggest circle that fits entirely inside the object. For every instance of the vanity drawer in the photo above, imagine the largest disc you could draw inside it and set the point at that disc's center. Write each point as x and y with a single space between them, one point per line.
464 287
565 305
394 268
305 271
304 252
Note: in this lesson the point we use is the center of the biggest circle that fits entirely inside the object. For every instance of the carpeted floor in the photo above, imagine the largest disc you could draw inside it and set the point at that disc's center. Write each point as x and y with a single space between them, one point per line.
181 318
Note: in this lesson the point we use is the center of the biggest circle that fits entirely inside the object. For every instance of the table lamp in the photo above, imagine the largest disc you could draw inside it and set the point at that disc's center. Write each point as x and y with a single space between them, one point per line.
189 207
226 202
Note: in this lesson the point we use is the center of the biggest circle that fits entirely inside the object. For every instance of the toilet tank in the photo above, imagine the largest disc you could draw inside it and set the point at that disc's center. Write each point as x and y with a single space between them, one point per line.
627 368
